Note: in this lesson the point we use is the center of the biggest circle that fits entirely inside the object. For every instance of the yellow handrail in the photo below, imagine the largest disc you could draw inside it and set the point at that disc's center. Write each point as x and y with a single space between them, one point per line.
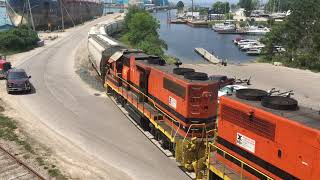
242 162
154 104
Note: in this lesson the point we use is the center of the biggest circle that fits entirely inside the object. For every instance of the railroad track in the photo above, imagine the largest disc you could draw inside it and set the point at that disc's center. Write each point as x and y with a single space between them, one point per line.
12 168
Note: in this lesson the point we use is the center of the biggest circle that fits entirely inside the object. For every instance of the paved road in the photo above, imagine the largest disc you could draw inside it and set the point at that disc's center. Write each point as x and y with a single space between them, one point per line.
64 103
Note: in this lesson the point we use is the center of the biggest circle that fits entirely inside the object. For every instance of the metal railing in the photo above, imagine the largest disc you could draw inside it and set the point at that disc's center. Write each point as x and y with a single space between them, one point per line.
173 132
242 163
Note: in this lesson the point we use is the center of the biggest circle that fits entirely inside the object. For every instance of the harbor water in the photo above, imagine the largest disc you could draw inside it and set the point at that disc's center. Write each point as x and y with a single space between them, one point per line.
182 39
3 17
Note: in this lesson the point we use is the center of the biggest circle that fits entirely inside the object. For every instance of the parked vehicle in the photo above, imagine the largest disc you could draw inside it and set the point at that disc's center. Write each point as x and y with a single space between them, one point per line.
229 89
279 49
4 67
18 81
223 80
254 52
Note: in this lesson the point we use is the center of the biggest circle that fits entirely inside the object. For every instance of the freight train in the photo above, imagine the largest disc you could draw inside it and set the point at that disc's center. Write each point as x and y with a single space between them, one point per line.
47 14
248 135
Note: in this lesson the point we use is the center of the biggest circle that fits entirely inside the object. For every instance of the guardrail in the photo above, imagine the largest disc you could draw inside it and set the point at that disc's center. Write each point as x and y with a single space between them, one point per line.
212 147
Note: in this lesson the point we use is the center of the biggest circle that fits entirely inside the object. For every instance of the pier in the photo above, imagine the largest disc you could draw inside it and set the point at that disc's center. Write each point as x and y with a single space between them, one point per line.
207 55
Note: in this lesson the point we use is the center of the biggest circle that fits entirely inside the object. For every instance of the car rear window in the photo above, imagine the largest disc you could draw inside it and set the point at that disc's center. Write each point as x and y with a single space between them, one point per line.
17 75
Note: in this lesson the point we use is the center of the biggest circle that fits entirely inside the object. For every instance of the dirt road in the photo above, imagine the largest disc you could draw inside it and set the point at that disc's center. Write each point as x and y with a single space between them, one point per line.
85 129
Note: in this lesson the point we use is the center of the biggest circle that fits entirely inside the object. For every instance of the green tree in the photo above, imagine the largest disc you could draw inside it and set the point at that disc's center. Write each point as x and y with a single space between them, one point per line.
233 6
299 34
248 5
221 7
203 11
142 32
180 6
277 5
131 11
18 39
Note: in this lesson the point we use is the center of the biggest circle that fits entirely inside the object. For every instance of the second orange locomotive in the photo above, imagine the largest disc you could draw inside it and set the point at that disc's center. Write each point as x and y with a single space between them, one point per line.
186 99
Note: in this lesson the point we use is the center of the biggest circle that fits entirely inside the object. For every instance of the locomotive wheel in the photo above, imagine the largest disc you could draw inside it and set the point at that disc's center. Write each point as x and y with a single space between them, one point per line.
109 89
196 76
182 71
164 142
251 94
123 101
152 129
280 103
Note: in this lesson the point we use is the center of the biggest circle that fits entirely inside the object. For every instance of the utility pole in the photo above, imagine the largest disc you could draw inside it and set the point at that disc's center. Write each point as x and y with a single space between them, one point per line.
32 23
192 9
61 12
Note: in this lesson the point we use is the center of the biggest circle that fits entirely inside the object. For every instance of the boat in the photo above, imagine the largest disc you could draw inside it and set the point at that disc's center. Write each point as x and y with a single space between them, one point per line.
254 52
49 14
257 30
226 26
236 40
246 47
246 41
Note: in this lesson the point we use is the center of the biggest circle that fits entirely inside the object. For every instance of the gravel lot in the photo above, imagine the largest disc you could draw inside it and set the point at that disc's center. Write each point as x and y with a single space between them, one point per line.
304 83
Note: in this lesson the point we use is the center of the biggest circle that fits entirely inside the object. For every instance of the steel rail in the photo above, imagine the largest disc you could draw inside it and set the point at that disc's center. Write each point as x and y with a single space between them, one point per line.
22 163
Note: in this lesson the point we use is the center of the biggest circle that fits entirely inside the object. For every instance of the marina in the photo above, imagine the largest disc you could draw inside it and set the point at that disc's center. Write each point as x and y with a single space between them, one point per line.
182 39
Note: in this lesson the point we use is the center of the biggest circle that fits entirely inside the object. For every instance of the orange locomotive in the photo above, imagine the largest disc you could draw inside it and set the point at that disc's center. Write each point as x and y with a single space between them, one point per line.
271 134
185 100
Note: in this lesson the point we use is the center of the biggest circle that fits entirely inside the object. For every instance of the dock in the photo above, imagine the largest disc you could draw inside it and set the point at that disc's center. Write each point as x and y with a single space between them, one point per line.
242 32
207 55
178 21
197 23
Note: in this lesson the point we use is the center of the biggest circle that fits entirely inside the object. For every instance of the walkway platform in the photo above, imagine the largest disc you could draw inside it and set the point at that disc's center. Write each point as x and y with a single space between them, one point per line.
207 55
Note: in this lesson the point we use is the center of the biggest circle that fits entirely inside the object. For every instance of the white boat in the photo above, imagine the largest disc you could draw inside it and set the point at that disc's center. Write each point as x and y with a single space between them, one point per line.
279 49
252 46
254 52
226 26
238 39
257 30
247 41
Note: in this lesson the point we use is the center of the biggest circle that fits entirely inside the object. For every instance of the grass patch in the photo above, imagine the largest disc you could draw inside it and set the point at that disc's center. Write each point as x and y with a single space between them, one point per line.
26 156
56 173
8 129
40 161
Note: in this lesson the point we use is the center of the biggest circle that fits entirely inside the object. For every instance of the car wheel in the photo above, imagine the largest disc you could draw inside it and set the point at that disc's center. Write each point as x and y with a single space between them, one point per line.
9 92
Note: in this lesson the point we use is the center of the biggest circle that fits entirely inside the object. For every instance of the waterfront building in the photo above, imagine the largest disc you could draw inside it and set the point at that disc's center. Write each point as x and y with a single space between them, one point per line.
161 2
